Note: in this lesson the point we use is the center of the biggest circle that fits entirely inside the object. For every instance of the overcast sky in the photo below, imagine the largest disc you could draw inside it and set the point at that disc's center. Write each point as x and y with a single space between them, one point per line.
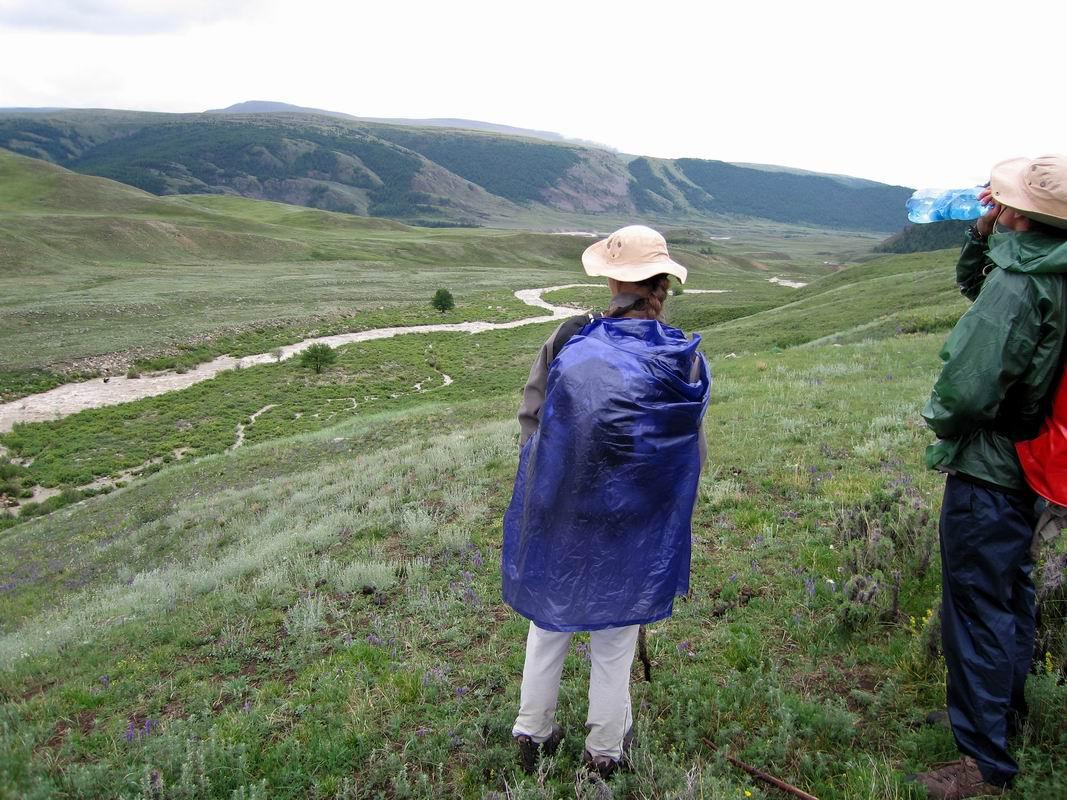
915 93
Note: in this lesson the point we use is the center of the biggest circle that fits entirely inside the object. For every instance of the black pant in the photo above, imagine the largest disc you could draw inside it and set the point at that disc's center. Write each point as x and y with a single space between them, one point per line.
987 618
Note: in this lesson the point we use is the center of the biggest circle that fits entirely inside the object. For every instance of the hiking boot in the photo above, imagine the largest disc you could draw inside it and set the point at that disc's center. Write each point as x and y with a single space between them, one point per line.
956 780
605 766
530 751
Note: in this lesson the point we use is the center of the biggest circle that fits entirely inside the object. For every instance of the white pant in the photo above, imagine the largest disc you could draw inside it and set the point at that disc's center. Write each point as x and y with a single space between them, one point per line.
609 687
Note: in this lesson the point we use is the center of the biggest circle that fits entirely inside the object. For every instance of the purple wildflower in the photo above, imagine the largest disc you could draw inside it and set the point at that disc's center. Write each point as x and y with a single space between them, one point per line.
435 675
583 651
476 559
684 648
105 681
809 586
247 706
148 725
421 731
131 731
373 639
462 691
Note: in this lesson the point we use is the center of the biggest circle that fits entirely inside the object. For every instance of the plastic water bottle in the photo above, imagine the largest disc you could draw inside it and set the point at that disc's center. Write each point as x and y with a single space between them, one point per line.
937 205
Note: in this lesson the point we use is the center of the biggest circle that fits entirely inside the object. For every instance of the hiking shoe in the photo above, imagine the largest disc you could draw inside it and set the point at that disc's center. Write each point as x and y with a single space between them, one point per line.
605 766
956 780
530 751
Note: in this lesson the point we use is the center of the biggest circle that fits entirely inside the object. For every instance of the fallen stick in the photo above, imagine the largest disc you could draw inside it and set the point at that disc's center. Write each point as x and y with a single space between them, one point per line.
763 776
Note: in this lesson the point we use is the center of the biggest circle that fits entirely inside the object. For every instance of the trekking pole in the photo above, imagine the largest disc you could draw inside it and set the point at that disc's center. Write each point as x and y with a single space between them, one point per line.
763 776
642 653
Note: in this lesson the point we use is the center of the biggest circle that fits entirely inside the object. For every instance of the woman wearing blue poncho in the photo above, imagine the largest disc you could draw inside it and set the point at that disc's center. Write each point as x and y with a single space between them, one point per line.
597 536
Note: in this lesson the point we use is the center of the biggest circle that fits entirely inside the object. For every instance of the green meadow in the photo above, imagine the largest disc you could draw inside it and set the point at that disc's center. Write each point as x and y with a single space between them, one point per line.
316 613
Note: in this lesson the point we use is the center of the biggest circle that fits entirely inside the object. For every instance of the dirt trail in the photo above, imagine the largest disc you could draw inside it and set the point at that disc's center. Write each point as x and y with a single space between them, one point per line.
251 421
74 397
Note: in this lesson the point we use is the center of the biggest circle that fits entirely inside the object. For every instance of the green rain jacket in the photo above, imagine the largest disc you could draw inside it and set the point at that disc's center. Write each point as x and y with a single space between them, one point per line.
1003 359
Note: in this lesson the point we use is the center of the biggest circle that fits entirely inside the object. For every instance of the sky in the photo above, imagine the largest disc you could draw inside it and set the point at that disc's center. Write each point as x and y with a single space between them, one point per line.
922 94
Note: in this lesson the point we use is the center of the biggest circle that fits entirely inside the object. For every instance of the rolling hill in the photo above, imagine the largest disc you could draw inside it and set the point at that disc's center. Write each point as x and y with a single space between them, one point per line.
436 175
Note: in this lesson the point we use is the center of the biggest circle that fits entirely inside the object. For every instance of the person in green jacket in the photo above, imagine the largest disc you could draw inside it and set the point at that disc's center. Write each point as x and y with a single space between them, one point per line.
1002 363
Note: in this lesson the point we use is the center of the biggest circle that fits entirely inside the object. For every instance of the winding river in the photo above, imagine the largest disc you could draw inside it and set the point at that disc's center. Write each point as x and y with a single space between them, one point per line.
71 398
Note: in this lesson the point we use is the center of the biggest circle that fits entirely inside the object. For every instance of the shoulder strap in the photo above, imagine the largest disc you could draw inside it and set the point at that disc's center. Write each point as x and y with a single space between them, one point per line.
570 328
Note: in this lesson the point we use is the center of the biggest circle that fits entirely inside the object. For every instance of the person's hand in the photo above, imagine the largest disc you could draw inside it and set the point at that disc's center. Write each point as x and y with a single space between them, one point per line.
984 224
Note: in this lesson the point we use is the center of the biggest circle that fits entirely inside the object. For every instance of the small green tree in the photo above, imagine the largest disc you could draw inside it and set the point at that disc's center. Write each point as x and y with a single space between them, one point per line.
318 357
443 301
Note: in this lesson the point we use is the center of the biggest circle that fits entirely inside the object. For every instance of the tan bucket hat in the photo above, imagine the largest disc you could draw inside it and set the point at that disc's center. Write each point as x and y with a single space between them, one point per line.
631 254
1037 188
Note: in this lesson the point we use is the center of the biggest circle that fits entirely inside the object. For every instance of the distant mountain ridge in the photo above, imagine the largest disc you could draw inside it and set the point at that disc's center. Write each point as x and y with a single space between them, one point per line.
431 174
273 107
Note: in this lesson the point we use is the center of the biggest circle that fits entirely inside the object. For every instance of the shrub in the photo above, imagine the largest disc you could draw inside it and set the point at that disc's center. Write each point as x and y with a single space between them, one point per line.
318 357
443 301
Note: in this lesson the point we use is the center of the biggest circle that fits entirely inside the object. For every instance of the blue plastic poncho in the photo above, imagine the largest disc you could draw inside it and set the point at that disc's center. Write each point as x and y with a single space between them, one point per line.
598 531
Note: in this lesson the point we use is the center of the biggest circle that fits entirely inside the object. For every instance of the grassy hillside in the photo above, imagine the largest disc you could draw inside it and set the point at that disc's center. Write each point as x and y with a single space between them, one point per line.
431 174
903 294
923 238
319 616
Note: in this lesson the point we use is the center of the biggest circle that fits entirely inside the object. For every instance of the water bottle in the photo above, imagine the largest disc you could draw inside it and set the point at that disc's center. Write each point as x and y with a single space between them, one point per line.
937 205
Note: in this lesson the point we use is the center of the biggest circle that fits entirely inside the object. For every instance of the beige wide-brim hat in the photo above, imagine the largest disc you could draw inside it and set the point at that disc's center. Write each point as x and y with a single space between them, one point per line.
1037 188
631 254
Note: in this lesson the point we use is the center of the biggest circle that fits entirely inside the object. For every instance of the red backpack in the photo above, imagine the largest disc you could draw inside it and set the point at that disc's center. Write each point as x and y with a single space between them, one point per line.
1044 458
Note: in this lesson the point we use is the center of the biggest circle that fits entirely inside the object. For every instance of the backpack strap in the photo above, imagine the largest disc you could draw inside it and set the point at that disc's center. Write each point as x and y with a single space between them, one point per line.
570 329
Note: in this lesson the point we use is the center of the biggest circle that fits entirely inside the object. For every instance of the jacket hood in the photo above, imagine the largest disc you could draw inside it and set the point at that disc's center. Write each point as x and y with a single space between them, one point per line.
1029 251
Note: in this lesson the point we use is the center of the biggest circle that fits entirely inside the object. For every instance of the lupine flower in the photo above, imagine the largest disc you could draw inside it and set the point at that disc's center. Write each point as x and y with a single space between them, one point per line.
809 586
461 691
421 731
373 639
131 731
435 675
105 681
